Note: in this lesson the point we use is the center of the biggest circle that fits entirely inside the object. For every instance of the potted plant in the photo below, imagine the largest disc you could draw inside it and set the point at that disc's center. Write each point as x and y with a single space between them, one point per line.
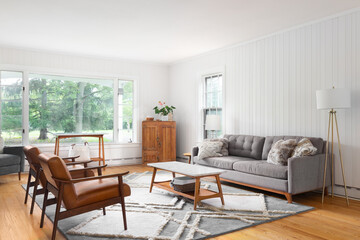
165 111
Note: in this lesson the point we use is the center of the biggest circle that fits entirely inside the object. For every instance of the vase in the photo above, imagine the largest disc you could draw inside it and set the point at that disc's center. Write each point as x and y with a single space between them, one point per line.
164 118
170 117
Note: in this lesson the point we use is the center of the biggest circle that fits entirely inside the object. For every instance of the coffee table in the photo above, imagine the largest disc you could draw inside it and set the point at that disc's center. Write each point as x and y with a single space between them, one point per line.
193 171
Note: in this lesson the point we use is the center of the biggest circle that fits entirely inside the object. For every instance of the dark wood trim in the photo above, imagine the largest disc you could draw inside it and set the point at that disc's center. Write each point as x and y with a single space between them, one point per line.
286 194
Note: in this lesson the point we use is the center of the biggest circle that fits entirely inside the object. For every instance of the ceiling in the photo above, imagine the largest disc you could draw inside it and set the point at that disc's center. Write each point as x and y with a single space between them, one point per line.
161 31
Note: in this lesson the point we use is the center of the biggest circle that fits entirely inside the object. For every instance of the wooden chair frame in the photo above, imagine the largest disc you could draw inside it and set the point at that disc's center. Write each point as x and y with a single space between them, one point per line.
36 174
58 193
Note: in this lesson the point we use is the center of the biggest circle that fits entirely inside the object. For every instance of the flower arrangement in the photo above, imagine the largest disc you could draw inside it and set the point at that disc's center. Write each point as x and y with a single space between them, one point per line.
163 109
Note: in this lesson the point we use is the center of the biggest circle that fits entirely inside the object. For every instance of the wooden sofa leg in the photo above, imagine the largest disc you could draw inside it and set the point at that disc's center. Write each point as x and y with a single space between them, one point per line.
288 197
19 173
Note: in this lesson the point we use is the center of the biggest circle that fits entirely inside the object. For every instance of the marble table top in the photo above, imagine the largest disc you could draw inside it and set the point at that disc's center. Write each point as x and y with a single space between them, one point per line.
187 169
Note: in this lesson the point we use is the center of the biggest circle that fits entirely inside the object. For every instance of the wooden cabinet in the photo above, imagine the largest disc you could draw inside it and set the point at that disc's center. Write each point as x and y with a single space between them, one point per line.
158 141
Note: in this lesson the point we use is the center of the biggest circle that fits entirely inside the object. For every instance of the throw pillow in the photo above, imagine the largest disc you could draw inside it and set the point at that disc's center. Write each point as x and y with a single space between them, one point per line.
225 148
304 148
210 149
281 151
1 145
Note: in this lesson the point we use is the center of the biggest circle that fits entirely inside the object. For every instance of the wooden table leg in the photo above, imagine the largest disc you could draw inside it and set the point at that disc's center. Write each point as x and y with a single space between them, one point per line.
220 189
56 141
103 150
173 174
197 192
153 179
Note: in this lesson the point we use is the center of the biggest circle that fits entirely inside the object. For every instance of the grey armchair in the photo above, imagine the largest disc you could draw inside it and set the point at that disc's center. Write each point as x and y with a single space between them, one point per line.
12 160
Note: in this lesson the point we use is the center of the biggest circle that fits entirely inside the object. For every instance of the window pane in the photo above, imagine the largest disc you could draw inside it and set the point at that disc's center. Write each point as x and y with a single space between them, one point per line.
11 84
61 104
126 110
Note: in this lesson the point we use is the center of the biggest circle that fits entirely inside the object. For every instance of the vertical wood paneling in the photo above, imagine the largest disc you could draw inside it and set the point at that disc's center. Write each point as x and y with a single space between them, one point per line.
271 84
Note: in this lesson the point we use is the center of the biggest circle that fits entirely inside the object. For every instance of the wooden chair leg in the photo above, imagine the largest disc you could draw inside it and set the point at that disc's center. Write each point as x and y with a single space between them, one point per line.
57 212
27 187
122 201
35 191
44 206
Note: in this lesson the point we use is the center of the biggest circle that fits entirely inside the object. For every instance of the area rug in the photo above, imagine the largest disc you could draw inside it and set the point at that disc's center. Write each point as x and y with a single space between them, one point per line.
165 216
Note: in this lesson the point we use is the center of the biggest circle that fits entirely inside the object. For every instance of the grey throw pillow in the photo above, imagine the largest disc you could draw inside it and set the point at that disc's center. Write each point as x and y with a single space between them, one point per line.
304 148
225 148
281 151
210 149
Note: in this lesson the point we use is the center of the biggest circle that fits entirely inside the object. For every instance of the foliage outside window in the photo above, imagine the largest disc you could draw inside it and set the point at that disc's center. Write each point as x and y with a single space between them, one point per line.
11 90
126 110
212 103
69 105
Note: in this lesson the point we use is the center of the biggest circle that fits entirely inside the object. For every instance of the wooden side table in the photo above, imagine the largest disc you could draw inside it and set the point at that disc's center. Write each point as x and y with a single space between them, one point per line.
100 136
189 156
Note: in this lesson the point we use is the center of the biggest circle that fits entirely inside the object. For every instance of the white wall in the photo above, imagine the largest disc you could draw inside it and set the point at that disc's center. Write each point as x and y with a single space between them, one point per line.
152 81
270 86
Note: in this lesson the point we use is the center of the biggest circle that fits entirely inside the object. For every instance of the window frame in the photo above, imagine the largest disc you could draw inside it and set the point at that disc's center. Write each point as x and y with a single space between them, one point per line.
26 71
202 101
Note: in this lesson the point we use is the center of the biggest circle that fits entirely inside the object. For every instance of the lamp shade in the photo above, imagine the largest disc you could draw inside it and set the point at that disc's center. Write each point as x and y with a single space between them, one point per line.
333 98
213 122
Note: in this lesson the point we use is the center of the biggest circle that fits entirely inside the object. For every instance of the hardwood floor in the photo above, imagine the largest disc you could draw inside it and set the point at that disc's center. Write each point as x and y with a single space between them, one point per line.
333 220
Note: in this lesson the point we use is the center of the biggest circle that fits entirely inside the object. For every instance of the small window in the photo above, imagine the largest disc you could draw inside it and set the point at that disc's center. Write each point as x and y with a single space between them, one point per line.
212 104
126 110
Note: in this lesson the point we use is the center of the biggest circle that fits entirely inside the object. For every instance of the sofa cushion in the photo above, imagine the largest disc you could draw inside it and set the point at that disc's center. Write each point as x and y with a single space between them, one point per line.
220 162
245 146
210 149
262 168
9 159
270 140
281 151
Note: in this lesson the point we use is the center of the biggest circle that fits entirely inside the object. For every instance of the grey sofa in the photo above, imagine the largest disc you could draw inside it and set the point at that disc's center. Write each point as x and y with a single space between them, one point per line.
12 161
246 165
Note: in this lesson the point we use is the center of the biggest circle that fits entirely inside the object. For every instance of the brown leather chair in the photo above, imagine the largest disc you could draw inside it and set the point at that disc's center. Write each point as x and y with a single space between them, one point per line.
32 154
83 194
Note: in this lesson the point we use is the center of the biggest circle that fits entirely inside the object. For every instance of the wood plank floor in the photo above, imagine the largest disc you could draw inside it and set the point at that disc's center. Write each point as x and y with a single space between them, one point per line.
333 220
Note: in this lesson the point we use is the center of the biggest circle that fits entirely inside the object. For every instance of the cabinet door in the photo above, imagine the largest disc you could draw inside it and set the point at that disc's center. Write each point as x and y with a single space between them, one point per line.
150 156
150 137
167 148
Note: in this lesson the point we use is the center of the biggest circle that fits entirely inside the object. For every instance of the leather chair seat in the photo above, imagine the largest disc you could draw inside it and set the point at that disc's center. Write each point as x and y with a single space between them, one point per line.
97 190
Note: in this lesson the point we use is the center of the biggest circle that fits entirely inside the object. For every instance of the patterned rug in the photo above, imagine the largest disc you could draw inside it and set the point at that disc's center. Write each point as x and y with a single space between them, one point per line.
166 216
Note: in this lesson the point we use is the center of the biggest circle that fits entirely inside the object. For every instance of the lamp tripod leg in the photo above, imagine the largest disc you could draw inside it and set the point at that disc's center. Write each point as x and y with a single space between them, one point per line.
326 160
341 161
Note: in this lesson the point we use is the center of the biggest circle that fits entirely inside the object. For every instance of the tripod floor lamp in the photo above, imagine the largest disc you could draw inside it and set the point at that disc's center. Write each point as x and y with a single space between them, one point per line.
330 99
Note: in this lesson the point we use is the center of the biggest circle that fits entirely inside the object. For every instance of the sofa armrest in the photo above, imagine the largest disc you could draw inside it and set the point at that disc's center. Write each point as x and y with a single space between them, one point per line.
16 150
194 153
306 173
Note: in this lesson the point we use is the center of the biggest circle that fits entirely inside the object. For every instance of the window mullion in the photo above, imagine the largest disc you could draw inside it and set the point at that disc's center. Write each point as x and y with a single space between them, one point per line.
116 111
25 112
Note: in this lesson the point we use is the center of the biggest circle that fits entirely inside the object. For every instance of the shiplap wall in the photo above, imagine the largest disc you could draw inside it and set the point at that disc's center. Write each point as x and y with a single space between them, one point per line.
270 86
151 79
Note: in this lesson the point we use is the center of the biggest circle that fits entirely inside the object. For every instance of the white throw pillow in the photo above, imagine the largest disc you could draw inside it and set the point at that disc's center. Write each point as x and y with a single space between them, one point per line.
210 149
281 151
225 148
304 148
1 145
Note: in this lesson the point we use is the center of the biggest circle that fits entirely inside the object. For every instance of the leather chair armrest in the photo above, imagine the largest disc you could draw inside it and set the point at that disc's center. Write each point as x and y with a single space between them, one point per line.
90 178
